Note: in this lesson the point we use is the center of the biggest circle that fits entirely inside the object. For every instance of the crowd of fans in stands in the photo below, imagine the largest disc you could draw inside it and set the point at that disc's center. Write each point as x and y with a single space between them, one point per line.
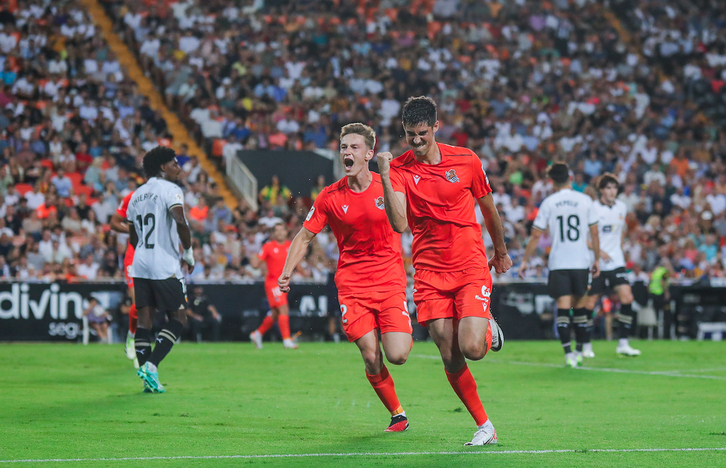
522 83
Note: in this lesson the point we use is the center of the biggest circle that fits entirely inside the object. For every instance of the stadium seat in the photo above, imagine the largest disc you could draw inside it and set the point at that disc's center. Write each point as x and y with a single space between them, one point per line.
22 189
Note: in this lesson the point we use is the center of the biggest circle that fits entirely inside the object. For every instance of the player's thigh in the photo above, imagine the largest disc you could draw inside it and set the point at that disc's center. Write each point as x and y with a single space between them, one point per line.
599 285
170 296
369 347
393 314
444 333
358 316
473 299
397 345
622 286
144 294
275 297
558 285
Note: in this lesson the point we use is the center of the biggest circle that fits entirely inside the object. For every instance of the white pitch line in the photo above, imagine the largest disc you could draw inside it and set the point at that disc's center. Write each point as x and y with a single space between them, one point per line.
366 454
600 369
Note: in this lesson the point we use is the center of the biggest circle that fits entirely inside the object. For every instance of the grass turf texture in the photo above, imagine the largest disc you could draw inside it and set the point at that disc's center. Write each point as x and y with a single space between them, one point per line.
65 401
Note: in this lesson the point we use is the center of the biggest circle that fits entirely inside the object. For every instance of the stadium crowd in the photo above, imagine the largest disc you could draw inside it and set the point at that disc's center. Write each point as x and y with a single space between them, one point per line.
522 83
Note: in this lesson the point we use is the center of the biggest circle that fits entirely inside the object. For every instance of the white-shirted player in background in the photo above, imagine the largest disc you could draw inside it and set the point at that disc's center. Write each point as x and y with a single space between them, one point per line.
611 214
568 215
157 225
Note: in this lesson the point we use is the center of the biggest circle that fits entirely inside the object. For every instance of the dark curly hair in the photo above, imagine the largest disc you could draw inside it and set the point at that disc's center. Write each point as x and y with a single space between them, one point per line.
154 159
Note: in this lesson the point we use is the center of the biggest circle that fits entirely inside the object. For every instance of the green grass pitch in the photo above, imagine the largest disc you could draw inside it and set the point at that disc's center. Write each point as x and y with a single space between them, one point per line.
84 403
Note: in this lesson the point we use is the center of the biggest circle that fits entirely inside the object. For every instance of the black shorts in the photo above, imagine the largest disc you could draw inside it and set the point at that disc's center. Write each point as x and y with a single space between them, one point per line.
607 281
167 295
568 283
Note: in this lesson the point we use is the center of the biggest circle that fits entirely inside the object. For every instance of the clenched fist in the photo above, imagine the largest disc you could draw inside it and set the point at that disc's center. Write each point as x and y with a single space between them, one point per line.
384 162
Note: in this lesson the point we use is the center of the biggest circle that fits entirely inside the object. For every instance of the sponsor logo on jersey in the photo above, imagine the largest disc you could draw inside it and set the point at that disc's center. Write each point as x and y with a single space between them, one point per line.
416 179
345 208
379 203
310 214
607 228
451 176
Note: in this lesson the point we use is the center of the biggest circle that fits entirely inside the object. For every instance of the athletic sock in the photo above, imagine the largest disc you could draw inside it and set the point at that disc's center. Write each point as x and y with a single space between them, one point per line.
166 339
267 323
133 319
625 319
579 319
142 344
563 328
283 321
623 342
464 386
382 383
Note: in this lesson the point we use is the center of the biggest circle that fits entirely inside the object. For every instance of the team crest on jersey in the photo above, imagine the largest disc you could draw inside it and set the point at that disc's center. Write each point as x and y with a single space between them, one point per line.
451 176
379 203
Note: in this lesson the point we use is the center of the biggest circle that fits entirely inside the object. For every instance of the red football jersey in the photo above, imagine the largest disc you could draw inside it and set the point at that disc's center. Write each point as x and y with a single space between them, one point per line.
440 200
370 250
123 207
274 255
121 210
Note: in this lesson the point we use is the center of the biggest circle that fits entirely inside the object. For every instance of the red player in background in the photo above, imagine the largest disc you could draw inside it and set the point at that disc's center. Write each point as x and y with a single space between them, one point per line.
433 189
370 278
273 254
119 224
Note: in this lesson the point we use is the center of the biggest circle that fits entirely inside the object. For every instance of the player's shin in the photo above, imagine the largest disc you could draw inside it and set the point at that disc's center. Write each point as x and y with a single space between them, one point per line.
625 321
579 320
283 321
464 386
382 383
563 328
142 345
166 339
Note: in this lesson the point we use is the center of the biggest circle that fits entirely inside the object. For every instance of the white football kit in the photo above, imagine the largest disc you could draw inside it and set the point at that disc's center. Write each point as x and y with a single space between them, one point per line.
611 223
568 214
157 254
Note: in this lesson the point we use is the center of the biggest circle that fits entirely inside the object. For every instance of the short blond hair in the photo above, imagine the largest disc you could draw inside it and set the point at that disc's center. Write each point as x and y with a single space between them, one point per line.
368 134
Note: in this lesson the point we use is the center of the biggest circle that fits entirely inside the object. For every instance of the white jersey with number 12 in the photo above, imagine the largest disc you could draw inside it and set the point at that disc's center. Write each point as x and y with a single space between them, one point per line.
568 215
157 254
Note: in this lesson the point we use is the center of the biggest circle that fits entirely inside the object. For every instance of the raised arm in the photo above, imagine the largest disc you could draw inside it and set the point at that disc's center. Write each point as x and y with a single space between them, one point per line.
500 261
395 202
298 247
529 251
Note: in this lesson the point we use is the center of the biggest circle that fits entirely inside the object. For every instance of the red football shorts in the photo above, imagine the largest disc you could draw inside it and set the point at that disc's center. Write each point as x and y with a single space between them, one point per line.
275 297
128 260
455 294
387 311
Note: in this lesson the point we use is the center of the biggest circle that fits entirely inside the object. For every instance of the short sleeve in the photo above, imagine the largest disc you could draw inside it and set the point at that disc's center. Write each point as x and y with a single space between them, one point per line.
479 181
317 217
591 214
397 182
543 214
175 196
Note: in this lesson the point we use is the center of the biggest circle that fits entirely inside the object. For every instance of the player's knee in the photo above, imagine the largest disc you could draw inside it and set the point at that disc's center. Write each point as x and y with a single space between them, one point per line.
474 351
370 358
397 357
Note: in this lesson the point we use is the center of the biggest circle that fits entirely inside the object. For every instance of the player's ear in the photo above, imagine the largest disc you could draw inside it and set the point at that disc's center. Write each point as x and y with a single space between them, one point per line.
436 126
369 155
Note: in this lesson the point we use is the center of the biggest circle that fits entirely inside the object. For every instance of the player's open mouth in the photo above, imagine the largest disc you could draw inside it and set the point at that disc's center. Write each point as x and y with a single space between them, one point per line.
348 161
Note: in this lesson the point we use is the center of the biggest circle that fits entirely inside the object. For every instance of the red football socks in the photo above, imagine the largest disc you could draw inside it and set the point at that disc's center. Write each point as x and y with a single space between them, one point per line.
386 391
133 318
464 385
283 321
267 323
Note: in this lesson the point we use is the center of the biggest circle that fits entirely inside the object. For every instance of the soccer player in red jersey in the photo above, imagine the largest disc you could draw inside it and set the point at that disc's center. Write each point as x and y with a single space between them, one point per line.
119 224
432 188
371 279
273 254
